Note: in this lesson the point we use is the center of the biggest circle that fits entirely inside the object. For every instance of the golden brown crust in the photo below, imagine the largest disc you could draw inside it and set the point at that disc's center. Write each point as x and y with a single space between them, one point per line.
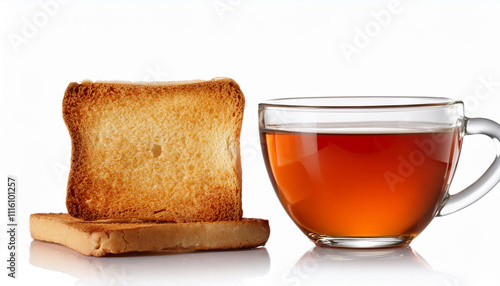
98 238
155 151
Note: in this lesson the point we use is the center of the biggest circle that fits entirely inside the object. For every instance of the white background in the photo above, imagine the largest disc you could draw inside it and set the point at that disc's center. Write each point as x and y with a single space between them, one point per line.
272 49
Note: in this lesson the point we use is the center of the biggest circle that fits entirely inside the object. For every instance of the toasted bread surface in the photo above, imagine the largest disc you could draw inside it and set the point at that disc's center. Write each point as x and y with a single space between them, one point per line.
161 151
98 238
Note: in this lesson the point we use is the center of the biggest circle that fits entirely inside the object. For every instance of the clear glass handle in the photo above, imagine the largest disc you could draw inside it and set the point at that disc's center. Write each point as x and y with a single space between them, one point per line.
487 181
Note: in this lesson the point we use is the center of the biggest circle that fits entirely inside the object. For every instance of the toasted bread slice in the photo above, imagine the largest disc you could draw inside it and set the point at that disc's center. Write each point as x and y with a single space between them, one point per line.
157 151
98 238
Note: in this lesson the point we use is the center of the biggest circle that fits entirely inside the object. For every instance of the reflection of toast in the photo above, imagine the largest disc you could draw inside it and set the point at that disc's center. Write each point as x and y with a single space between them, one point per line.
99 238
174 269
158 151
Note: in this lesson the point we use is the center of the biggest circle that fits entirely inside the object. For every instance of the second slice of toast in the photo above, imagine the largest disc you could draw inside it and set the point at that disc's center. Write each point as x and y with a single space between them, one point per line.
162 151
98 238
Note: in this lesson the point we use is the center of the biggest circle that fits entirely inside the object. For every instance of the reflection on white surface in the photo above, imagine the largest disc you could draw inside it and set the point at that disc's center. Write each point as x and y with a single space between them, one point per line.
396 266
192 268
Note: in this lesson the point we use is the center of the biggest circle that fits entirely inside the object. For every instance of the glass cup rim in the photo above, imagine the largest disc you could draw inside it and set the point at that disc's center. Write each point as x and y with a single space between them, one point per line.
360 102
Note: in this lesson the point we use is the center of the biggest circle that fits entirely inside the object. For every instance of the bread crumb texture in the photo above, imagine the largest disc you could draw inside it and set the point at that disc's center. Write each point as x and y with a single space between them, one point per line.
167 152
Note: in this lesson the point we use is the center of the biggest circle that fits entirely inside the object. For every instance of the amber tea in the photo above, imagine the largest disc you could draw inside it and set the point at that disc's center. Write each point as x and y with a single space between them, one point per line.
361 185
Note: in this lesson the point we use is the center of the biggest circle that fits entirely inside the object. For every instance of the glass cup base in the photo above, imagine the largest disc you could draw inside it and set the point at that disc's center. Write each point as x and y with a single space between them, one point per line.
361 242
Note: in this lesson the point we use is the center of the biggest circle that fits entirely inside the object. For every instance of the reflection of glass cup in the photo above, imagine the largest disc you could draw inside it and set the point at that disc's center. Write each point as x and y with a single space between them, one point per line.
389 266
369 171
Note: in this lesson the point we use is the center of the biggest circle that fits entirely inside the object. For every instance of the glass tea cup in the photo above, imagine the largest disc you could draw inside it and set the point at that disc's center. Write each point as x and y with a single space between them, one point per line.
369 172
